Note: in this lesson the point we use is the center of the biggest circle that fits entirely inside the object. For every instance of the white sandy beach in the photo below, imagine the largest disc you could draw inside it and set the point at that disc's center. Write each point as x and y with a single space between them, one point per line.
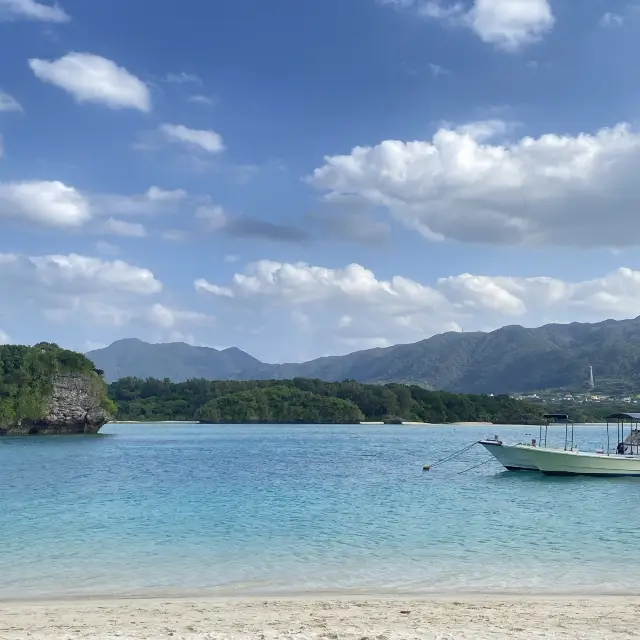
475 618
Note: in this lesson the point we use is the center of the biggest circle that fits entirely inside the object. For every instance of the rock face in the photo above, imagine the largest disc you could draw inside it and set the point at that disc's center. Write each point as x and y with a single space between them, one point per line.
74 407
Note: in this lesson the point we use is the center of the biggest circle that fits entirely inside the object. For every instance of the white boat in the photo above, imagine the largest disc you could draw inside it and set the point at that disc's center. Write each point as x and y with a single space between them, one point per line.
521 457
556 462
514 457
570 461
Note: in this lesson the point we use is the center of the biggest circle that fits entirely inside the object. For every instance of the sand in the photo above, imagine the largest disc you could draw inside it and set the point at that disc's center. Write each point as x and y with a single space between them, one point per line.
331 619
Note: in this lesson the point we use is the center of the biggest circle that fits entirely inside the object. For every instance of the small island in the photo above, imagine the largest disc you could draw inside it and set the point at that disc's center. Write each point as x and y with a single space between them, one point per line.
308 401
47 390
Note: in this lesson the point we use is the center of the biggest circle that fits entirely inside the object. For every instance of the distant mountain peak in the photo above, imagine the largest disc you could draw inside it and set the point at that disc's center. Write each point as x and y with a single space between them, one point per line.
510 359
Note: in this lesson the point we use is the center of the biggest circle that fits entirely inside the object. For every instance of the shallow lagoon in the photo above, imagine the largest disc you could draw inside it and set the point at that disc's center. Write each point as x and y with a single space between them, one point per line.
289 509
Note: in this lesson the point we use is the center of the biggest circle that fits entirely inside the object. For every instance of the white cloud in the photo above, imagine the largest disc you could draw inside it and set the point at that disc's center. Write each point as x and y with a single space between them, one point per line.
201 285
84 294
300 283
8 102
200 99
183 78
511 24
156 194
202 139
214 216
92 78
73 274
32 10
154 201
611 20
123 228
51 203
463 185
353 307
507 24
168 318
56 204
4 338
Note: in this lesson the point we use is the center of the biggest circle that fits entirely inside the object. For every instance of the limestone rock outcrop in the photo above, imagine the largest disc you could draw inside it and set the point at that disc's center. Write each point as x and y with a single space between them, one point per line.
74 407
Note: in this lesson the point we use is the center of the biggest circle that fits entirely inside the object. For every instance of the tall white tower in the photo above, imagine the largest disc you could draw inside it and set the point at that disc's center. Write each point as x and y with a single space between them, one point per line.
592 383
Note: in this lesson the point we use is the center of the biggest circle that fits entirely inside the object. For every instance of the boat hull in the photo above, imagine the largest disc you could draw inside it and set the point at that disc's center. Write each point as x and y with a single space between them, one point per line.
511 457
575 463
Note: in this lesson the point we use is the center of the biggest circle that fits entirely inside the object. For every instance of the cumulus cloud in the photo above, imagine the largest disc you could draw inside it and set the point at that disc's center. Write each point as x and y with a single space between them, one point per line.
351 306
92 78
73 274
4 338
507 24
32 10
8 102
54 204
201 139
465 185
85 294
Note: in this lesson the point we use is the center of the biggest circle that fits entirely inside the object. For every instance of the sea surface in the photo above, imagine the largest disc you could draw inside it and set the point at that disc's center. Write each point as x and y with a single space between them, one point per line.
269 510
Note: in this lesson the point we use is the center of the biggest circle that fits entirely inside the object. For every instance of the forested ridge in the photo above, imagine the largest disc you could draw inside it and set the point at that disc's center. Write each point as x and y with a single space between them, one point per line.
27 375
302 400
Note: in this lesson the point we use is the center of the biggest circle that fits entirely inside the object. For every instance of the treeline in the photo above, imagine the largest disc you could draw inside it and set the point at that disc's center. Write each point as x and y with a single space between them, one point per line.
310 401
26 378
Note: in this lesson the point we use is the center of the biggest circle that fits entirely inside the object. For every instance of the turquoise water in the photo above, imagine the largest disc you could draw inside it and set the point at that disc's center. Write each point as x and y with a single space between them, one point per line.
269 510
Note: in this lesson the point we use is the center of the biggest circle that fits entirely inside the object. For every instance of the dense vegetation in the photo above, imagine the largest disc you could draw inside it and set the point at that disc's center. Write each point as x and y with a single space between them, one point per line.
303 400
26 379
510 360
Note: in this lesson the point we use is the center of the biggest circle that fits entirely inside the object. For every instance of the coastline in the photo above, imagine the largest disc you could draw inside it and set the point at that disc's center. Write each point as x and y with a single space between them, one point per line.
345 617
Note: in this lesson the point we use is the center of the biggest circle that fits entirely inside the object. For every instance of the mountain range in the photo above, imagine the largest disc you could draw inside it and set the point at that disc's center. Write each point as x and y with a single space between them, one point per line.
510 359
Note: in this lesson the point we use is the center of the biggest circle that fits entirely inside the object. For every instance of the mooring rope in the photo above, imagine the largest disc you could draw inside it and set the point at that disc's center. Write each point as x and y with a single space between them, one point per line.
453 456
475 466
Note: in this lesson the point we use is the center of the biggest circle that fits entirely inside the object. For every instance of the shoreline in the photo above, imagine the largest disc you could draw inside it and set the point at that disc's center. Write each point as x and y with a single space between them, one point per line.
323 596
348 618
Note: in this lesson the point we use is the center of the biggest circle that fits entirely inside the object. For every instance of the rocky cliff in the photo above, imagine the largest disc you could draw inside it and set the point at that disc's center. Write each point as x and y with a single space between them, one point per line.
74 407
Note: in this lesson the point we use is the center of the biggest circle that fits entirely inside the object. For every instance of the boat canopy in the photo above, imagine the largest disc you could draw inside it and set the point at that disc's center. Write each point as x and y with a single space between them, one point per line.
558 417
634 417
632 441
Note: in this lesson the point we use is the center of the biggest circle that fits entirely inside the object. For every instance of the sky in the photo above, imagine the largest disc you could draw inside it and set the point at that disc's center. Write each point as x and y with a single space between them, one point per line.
304 178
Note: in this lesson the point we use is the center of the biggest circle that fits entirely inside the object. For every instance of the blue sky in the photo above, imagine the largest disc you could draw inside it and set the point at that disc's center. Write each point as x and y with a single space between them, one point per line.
306 178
